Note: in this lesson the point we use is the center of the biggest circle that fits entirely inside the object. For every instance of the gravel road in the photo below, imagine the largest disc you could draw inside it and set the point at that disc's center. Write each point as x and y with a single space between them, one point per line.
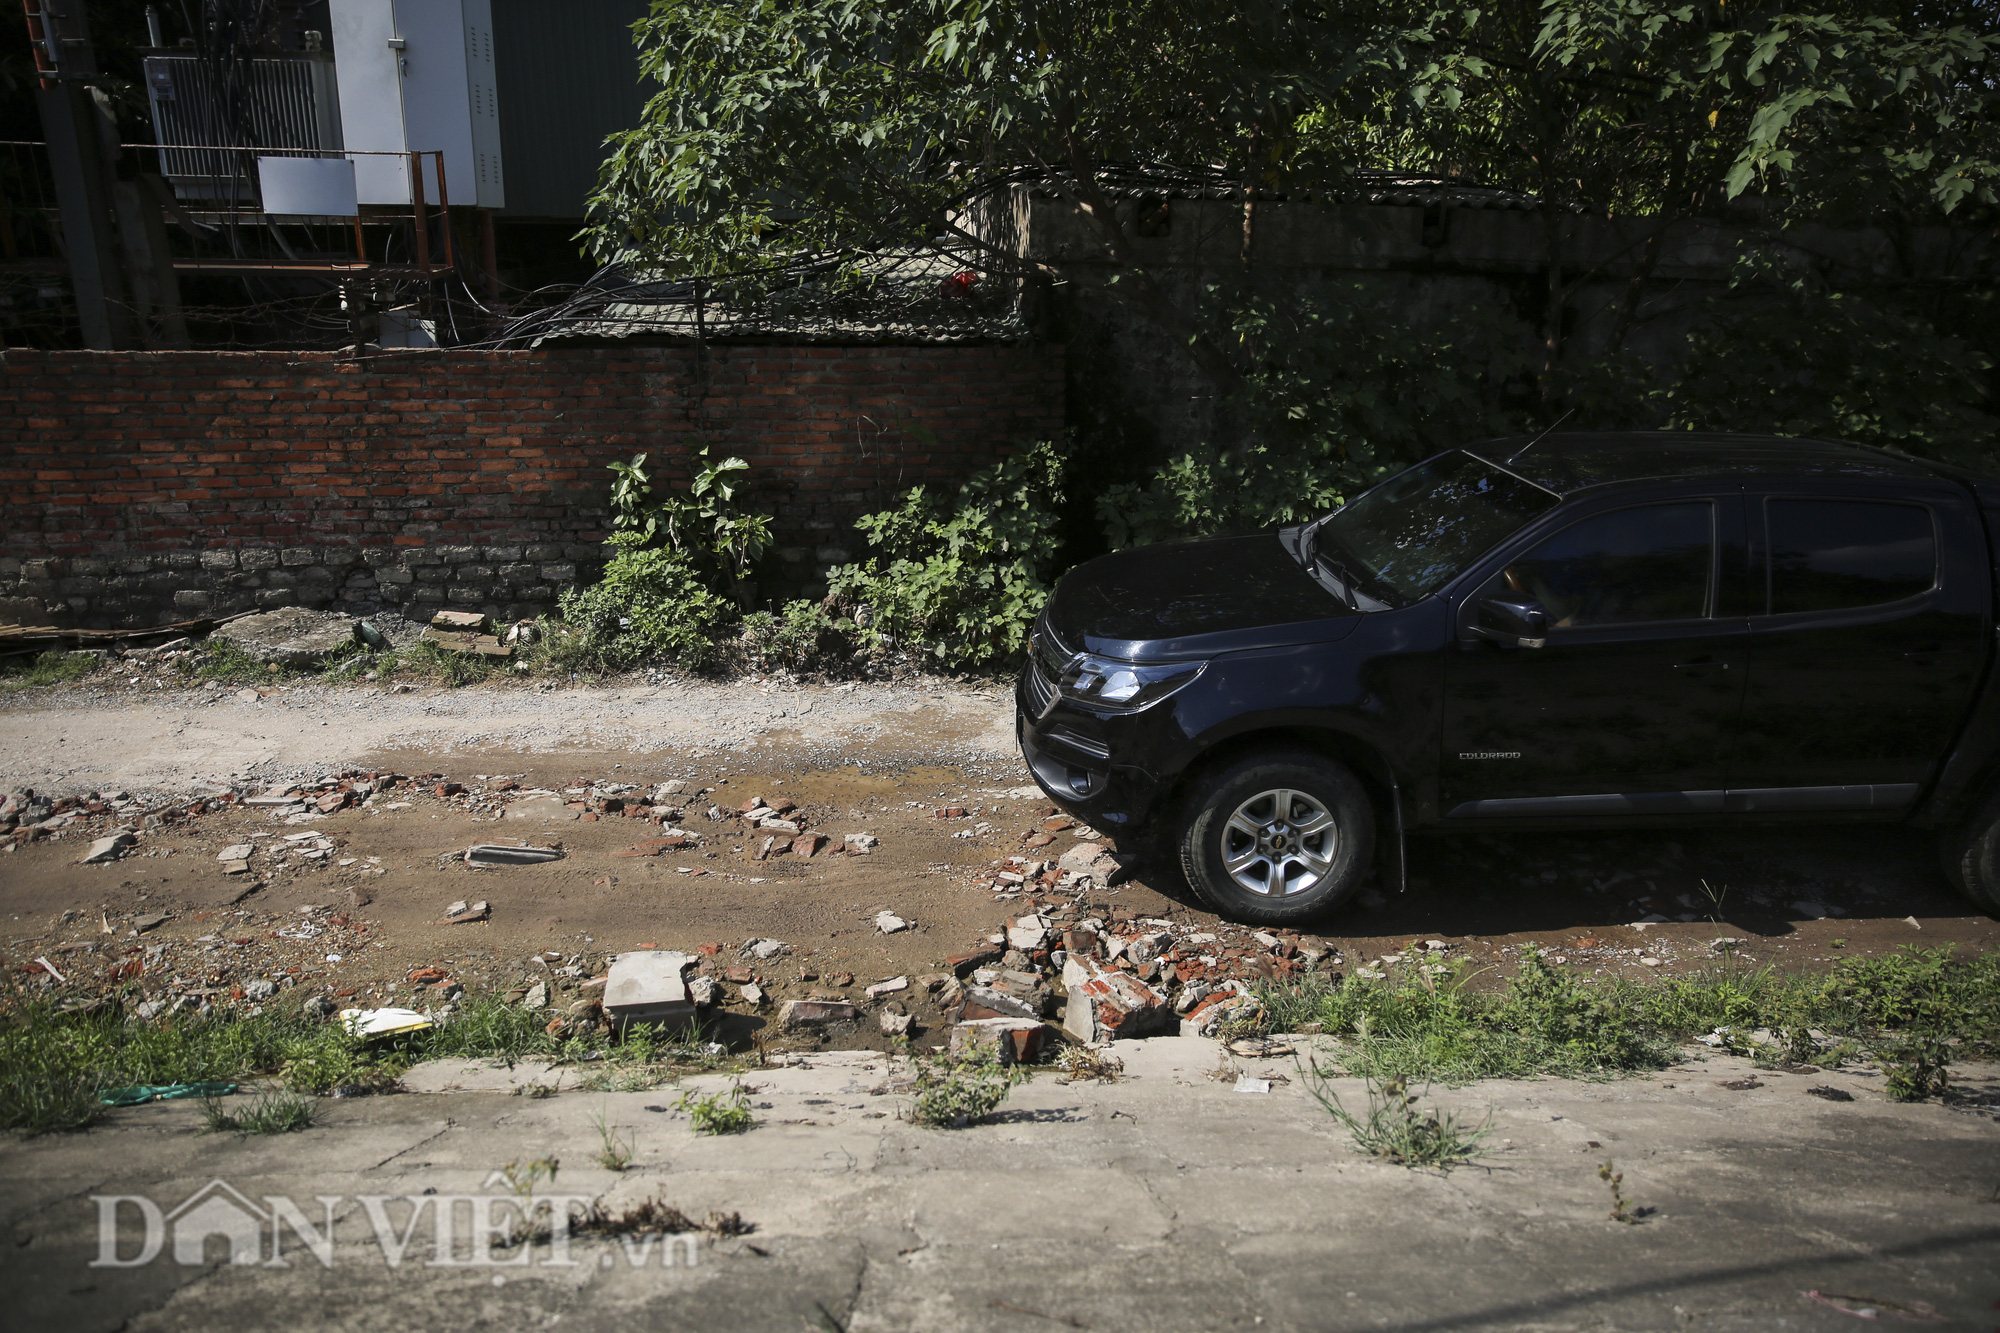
167 741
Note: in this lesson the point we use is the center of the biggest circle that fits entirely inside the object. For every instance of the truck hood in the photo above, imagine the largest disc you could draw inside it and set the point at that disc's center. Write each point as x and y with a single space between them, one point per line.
1194 599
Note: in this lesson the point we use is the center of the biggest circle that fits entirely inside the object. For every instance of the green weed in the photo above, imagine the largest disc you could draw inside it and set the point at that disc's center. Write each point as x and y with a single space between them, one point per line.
1621 1207
1907 1009
1394 1129
52 668
719 1112
224 660
53 1065
428 661
345 669
270 1113
954 1093
615 1154
795 637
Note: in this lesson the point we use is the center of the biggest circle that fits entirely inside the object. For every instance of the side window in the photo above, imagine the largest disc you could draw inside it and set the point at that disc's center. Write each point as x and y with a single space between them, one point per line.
1656 562
1827 555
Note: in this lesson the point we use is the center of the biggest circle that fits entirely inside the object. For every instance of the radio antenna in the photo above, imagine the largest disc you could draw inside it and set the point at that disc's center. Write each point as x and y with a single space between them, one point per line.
1544 435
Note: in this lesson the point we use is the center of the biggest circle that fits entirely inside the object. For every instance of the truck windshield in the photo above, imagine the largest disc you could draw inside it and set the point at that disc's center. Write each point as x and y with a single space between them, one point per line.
1416 531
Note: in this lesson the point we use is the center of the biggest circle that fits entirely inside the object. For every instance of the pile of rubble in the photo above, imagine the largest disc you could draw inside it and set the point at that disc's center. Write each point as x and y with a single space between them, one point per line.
247 958
1124 975
1085 970
26 816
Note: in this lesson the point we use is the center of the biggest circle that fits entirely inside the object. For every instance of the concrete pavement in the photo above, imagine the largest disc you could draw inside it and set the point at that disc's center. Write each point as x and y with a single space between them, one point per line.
1165 1201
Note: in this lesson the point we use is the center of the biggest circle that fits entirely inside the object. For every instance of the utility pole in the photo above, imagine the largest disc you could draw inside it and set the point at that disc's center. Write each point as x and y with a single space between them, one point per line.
72 111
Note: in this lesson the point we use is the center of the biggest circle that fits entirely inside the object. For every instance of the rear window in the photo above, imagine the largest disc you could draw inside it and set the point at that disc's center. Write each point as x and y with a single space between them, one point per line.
1829 555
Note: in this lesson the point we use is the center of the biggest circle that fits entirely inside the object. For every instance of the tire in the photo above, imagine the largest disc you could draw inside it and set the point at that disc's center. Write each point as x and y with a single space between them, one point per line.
1313 851
1971 856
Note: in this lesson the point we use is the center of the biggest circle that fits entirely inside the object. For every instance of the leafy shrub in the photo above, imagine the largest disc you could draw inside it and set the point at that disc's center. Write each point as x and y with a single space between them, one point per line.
794 637
705 524
718 1113
1575 1023
966 576
650 606
954 1093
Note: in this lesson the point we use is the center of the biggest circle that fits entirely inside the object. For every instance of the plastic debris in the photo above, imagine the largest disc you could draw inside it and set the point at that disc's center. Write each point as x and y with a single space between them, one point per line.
162 1092
383 1022
500 854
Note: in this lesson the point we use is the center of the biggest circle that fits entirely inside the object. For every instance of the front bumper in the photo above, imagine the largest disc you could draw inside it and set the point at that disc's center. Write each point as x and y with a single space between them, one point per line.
1101 768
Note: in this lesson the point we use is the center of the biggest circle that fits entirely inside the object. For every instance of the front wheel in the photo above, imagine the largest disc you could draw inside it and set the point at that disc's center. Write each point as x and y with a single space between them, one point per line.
1971 856
1277 838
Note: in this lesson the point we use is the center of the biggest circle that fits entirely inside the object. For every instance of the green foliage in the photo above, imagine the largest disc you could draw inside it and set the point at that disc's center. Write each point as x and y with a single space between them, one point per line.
705 524
225 661
795 637
966 576
428 661
1786 353
327 1066
1343 390
719 1112
53 1066
270 1113
652 605
828 125
953 1093
815 129
48 1086
1395 1130
51 668
1916 1009
1575 1025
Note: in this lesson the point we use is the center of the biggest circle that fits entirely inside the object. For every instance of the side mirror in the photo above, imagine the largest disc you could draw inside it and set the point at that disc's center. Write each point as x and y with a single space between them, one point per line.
1518 622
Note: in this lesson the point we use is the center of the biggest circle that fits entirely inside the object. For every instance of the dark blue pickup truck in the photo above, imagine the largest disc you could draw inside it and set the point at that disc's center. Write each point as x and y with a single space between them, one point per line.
1566 631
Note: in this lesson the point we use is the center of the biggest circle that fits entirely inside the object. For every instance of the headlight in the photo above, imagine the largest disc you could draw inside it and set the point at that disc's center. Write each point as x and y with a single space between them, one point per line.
1104 682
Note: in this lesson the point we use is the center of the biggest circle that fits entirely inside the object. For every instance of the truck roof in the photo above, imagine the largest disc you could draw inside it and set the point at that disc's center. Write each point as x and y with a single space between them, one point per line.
1578 460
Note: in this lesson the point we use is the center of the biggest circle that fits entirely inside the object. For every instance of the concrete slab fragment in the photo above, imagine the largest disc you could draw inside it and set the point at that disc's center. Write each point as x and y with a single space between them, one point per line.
648 987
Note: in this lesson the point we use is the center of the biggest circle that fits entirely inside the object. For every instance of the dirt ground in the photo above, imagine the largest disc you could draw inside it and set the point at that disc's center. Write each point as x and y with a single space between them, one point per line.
357 921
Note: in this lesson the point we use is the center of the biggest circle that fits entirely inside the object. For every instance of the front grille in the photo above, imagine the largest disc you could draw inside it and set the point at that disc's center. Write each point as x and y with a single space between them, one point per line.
1040 691
1047 659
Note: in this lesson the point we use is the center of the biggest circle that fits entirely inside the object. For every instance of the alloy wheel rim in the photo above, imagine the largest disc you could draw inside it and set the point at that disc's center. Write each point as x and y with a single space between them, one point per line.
1279 843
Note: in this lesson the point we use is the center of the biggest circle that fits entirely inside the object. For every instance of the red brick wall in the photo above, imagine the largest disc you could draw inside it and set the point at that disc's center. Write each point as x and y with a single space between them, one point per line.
109 455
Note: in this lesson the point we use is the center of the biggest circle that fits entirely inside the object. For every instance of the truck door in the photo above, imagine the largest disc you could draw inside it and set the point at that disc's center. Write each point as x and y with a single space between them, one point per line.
1866 649
1629 706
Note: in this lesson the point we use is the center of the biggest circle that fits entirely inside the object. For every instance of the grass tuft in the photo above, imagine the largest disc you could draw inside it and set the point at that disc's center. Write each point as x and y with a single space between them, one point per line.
270 1113
52 668
616 1153
1395 1130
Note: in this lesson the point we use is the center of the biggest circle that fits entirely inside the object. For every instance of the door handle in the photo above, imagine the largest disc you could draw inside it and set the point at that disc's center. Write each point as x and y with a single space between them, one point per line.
1697 668
1925 656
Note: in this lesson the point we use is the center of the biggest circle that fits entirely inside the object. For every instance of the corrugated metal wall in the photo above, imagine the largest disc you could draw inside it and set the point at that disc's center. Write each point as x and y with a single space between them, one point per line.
568 75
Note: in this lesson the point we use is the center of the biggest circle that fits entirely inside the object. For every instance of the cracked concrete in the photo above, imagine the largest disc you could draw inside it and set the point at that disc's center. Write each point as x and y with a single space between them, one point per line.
1165 1201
